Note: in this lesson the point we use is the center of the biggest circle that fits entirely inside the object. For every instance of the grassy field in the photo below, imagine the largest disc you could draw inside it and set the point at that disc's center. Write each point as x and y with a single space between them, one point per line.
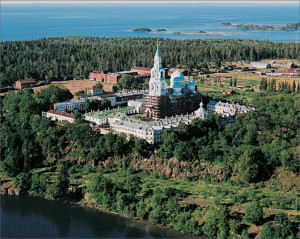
214 93
73 85
248 79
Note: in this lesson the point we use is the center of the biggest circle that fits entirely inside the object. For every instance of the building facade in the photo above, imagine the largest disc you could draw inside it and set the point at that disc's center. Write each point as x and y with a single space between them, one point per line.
59 116
151 131
95 91
74 105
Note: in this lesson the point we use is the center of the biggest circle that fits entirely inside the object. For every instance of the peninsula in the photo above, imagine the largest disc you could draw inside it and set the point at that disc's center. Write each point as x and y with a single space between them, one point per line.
263 27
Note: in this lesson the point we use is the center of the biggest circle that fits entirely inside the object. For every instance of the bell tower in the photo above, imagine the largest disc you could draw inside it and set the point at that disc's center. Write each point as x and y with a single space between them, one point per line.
157 83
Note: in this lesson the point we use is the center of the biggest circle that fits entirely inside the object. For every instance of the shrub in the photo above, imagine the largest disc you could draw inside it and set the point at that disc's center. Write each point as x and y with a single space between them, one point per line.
22 181
254 213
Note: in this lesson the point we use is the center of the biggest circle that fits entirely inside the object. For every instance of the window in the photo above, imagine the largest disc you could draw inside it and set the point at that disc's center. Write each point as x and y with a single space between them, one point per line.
162 74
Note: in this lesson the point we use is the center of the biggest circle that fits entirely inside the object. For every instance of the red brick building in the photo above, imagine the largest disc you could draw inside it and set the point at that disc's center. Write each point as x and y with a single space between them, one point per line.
98 76
21 84
144 71
283 65
113 77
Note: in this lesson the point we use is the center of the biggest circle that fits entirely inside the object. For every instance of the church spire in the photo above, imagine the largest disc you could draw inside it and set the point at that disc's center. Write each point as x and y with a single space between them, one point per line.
157 83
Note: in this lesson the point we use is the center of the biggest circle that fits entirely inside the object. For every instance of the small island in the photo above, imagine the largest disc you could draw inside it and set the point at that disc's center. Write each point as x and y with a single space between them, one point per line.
142 29
161 30
225 23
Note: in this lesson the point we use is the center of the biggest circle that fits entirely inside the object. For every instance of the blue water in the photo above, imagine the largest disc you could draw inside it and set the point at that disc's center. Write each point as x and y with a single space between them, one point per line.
26 22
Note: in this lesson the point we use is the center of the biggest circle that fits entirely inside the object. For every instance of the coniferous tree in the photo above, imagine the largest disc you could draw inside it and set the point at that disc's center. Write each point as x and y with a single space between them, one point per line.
294 86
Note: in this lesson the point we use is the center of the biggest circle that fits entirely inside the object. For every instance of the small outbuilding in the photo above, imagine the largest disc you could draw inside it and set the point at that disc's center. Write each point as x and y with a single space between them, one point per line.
260 65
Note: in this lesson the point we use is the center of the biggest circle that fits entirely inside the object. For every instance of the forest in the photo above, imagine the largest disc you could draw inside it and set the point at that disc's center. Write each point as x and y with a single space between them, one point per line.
54 58
45 158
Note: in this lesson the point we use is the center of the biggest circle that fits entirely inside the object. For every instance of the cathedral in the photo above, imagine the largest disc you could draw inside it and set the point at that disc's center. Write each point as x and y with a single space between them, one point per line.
166 101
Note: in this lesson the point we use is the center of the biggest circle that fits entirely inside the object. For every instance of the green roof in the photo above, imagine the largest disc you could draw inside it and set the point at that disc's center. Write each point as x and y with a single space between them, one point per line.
104 113
117 115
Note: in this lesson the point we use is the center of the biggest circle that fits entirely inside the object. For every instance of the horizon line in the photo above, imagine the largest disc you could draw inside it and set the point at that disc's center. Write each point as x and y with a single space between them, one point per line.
16 2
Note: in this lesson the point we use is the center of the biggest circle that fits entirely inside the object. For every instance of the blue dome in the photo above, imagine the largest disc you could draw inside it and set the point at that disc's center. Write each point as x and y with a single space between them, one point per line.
177 76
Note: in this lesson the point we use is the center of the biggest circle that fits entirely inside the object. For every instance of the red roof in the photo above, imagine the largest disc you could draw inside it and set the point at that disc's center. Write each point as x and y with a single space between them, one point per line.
141 68
61 113
26 81
228 91
175 69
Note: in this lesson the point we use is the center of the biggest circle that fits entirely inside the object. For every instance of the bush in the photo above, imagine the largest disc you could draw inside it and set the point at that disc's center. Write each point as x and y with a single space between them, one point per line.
254 213
52 191
35 184
22 181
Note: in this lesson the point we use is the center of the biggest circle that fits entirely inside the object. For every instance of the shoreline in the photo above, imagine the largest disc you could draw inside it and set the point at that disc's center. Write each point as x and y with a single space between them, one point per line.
98 207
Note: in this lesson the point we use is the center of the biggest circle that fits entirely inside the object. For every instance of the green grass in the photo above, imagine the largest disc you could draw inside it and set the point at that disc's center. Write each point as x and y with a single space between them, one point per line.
214 92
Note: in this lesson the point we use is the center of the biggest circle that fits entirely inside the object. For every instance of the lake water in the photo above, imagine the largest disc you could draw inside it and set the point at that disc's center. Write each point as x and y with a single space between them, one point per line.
26 22
33 217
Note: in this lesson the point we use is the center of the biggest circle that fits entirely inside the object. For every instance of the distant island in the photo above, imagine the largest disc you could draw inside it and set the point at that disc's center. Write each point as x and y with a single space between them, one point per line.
161 30
261 27
188 33
225 23
142 29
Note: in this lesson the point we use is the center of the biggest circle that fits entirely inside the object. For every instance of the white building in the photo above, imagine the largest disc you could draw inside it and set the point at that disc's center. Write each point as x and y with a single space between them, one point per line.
151 131
72 105
59 116
201 112
226 110
94 91
260 65
138 104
